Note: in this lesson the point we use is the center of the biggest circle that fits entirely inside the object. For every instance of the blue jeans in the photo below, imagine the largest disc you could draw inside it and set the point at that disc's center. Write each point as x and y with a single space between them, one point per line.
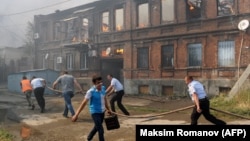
68 105
98 120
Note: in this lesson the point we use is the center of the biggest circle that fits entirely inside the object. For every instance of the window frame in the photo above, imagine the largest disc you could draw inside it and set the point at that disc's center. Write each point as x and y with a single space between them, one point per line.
85 65
163 47
69 61
189 6
232 8
170 21
140 52
227 54
194 60
102 22
123 18
138 15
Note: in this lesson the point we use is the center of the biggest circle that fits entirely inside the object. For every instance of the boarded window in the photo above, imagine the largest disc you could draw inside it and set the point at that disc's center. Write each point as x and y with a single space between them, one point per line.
168 91
143 89
224 90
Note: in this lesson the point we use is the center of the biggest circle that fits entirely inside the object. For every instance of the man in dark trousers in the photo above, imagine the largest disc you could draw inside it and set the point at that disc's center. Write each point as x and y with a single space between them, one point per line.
38 86
27 90
202 105
117 87
67 82
96 96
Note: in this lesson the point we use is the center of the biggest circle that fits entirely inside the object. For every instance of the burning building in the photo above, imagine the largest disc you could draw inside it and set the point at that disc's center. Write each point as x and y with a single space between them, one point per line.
150 45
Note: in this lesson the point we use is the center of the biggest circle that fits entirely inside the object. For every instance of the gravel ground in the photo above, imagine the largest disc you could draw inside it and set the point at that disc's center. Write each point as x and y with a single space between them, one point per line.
52 126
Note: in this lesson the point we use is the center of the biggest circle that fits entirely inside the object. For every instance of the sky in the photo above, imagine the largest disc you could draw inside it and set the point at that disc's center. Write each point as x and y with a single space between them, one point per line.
15 14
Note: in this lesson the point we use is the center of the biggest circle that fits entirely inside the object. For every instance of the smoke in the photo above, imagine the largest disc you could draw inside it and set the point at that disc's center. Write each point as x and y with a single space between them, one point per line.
15 14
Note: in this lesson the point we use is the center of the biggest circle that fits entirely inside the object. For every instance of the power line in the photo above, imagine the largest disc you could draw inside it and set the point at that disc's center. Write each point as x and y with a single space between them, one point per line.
12 14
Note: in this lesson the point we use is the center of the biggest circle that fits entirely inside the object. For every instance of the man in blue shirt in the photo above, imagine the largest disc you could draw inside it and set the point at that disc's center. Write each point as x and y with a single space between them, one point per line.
202 105
97 106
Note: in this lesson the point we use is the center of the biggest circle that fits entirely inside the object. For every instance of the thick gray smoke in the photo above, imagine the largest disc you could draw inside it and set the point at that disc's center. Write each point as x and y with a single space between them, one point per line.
15 14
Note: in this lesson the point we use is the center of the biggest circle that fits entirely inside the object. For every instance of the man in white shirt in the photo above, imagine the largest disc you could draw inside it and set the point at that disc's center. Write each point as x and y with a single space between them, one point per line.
117 87
201 102
38 86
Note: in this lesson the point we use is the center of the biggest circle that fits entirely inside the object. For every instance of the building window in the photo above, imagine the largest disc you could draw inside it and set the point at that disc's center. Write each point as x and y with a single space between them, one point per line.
142 58
72 30
226 51
57 62
45 31
84 60
193 9
167 11
143 15
85 29
119 19
225 7
45 61
105 22
69 61
167 56
194 55
56 31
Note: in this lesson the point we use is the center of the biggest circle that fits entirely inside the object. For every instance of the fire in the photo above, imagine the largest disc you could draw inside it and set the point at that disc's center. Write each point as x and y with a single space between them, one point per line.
105 27
119 51
119 27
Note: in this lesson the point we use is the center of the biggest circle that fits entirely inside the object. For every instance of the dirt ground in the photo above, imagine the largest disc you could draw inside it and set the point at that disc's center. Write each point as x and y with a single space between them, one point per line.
52 126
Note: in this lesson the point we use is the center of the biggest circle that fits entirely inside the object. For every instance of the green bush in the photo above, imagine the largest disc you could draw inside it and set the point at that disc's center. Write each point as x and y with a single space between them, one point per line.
239 104
5 136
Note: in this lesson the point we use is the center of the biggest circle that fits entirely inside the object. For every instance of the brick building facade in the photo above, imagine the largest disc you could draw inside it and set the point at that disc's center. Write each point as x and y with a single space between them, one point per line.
150 45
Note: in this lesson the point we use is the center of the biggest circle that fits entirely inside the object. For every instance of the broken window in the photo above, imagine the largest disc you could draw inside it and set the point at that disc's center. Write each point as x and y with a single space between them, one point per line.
167 11
167 56
225 7
194 9
45 31
143 15
72 30
56 31
142 58
119 19
84 60
85 29
69 61
105 22
194 55
226 57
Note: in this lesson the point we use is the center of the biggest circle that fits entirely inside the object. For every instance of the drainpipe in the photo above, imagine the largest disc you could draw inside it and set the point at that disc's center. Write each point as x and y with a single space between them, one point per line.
131 38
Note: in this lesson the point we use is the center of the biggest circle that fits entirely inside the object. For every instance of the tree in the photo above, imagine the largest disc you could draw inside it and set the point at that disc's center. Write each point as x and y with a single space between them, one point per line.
29 42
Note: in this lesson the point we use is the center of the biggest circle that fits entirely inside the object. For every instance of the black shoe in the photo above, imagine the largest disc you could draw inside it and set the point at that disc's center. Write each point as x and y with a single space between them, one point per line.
42 111
65 116
33 107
